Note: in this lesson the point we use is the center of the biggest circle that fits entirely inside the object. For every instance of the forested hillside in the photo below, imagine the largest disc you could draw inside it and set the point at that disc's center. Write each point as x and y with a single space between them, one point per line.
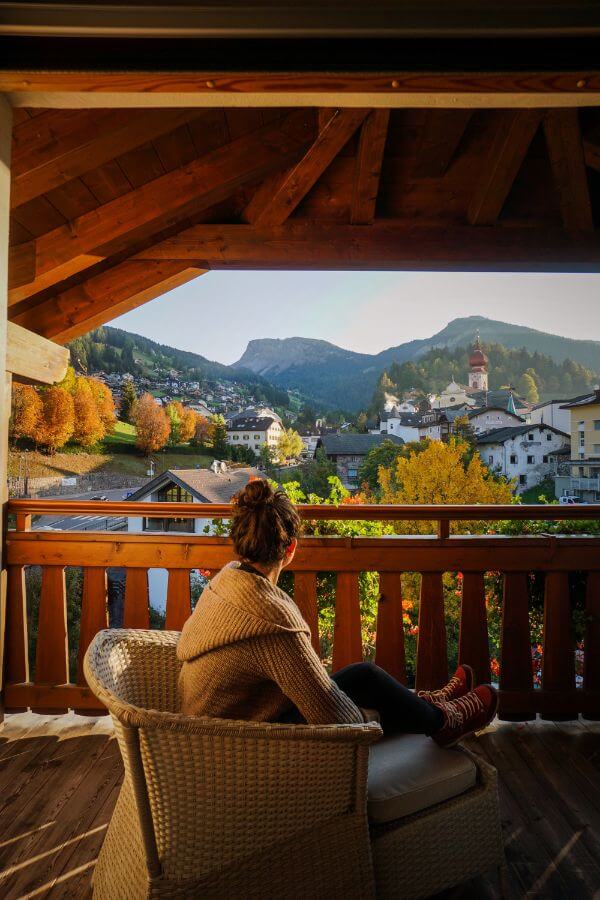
110 349
533 375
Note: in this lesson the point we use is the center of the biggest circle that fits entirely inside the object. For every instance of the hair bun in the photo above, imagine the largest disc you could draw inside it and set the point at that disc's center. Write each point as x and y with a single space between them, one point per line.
257 493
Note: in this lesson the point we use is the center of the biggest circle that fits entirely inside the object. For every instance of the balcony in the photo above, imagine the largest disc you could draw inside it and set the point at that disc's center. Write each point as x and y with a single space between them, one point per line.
62 768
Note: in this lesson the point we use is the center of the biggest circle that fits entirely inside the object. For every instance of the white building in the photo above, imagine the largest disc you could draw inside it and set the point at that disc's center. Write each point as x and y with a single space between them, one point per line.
454 394
523 452
254 431
490 417
215 485
414 426
553 412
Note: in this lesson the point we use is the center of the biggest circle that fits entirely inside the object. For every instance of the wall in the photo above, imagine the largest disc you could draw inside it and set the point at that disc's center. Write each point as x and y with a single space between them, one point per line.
52 486
553 415
588 415
496 418
521 447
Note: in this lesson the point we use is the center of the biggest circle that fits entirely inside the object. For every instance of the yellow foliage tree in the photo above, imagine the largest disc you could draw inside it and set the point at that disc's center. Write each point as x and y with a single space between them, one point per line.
187 427
88 427
443 473
26 412
105 404
152 424
203 430
58 419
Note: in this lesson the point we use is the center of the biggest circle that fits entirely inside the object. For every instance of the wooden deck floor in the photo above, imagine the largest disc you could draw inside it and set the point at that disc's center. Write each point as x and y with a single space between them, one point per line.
59 779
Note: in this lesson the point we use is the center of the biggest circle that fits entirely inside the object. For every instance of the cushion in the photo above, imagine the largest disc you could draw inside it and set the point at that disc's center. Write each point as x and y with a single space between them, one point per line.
409 773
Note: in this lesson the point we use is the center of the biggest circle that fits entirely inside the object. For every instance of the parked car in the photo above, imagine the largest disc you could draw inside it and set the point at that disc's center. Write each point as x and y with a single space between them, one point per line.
99 497
569 501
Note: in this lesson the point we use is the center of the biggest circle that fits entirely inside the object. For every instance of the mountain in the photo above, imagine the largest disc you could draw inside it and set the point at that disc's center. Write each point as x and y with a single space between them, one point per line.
345 379
111 349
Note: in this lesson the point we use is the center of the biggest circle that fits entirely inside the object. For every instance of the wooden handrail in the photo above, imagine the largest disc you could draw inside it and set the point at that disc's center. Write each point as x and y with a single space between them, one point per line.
344 512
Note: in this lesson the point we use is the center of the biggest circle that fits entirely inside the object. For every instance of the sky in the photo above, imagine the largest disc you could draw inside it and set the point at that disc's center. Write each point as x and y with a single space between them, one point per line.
218 313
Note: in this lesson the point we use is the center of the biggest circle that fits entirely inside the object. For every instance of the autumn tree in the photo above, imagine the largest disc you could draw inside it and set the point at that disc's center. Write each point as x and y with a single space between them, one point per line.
441 474
174 411
128 401
58 418
105 404
289 444
385 454
187 427
26 412
528 387
88 426
152 424
203 433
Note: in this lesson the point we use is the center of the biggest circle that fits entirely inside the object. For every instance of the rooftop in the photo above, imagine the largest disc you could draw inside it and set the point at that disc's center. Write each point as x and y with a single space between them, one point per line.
588 400
354 444
251 423
499 435
203 484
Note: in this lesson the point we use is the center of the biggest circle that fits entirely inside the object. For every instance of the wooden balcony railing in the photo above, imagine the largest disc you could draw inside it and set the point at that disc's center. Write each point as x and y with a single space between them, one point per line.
431 555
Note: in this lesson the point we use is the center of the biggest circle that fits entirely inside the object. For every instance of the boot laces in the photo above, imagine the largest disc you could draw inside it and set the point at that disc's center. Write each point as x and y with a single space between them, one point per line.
443 694
460 710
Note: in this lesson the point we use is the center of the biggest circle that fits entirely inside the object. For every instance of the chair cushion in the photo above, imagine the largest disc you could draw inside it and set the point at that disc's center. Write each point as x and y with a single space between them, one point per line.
409 773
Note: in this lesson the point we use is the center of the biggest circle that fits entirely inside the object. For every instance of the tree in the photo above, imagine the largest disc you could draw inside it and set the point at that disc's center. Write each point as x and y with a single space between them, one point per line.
384 455
220 446
58 419
26 412
152 424
204 430
361 422
88 427
528 388
128 401
289 444
174 411
266 458
187 427
105 404
440 474
243 454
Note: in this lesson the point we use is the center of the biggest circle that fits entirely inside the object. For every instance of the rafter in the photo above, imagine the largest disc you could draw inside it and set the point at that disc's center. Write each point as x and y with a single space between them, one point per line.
565 149
515 132
196 186
371 147
30 356
387 244
63 144
442 133
274 202
105 296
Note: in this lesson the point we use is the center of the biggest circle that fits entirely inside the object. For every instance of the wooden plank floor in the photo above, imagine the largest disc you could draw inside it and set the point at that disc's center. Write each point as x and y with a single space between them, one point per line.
59 779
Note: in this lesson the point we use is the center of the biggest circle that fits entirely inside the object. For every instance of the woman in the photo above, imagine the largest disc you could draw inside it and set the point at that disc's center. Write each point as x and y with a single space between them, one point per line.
246 649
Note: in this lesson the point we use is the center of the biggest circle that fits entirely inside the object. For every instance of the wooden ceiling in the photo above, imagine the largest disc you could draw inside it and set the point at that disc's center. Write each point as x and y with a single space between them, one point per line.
112 207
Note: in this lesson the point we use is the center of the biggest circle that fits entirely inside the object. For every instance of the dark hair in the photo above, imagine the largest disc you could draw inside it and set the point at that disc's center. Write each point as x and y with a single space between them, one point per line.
263 523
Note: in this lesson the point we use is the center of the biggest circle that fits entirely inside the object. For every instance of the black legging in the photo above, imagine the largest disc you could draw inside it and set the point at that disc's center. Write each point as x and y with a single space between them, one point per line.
401 711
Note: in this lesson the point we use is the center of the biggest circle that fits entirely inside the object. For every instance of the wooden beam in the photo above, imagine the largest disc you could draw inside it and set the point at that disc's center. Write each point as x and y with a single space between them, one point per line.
267 208
171 197
63 144
106 296
387 244
5 380
565 149
443 132
371 148
514 134
223 88
30 356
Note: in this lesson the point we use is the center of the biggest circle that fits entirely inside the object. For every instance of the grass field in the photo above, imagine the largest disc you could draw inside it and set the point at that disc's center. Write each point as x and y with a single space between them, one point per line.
124 433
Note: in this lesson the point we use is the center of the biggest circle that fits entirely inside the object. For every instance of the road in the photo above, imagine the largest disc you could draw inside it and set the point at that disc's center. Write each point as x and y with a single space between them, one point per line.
80 523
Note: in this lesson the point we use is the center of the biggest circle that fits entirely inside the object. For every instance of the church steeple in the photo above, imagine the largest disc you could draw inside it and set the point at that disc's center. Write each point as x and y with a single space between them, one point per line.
478 367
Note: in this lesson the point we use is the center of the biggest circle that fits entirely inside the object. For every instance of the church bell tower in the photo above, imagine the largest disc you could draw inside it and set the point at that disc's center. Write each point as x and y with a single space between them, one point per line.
478 368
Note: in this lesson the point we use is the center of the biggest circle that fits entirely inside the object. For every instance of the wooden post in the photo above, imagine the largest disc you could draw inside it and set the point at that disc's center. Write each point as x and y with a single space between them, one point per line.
5 146
432 653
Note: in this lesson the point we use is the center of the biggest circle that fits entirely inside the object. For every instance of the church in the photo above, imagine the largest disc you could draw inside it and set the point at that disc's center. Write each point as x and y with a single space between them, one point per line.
456 394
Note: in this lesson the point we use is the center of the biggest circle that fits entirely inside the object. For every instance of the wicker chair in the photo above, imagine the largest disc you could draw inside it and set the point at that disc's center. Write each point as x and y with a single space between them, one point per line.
224 809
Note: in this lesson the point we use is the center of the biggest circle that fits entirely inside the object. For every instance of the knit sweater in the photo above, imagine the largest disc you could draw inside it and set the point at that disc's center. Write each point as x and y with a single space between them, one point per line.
246 654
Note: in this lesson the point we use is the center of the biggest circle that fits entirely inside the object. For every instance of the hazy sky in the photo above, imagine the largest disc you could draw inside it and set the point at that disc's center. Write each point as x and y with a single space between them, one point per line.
217 314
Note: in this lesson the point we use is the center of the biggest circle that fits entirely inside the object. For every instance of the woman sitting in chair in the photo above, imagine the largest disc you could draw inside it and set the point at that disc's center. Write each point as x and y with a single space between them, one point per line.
246 649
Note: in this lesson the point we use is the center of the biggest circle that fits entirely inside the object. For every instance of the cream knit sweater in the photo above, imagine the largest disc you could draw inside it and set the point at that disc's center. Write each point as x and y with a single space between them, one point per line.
246 654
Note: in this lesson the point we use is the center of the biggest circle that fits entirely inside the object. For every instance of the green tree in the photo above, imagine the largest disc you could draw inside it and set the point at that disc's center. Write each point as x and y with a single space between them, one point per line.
385 455
289 444
128 401
220 446
267 459
174 413
528 388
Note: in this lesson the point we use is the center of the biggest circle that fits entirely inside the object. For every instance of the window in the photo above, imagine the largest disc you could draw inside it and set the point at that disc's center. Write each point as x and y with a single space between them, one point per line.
490 460
530 460
582 440
257 446
544 459
257 437
596 449
548 436
522 479
246 437
596 424
530 437
513 459
174 494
